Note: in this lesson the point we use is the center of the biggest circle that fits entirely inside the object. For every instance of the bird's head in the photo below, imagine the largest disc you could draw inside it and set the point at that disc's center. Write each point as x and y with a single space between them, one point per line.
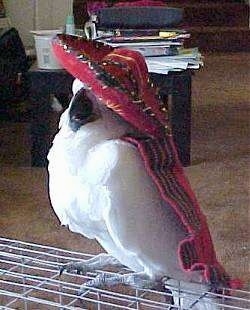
84 109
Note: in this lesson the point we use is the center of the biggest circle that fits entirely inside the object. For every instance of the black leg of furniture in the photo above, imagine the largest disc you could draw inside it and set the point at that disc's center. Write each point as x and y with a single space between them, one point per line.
180 116
39 128
175 89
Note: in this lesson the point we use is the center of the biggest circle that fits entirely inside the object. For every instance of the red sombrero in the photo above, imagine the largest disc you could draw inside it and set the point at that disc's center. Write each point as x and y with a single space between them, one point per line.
119 79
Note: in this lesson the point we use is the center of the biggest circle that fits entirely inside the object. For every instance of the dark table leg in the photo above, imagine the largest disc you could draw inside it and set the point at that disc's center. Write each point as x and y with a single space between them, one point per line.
177 86
39 129
181 116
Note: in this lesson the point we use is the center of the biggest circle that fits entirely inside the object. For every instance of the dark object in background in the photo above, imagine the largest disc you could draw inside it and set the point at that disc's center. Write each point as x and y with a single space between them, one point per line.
14 65
139 17
80 11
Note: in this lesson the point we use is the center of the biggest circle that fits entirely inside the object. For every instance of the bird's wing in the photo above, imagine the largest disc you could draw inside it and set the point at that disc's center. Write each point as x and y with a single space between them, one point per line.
135 217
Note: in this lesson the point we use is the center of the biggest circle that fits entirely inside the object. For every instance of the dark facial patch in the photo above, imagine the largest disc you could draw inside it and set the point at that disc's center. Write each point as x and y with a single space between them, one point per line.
81 110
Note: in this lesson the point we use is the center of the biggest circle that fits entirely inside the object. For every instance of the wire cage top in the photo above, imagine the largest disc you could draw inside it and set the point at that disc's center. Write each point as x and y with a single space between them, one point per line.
29 279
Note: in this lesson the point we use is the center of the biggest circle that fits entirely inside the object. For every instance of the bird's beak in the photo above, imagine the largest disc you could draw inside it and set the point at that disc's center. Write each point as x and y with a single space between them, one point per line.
77 121
81 110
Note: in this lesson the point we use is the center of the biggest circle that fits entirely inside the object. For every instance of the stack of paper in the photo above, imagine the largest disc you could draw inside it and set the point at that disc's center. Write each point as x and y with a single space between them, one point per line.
184 59
163 50
148 42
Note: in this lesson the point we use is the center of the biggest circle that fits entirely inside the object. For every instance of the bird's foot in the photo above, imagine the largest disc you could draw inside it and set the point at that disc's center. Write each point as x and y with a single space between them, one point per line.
135 280
97 262
80 267
138 280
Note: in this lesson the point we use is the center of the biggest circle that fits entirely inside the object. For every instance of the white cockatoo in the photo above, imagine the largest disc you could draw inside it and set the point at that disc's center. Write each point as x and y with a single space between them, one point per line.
104 185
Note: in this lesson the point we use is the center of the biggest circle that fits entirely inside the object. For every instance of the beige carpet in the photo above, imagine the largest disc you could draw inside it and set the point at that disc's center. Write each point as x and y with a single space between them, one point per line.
219 173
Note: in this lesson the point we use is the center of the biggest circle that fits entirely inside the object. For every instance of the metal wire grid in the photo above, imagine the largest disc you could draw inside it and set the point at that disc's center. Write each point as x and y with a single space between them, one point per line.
29 279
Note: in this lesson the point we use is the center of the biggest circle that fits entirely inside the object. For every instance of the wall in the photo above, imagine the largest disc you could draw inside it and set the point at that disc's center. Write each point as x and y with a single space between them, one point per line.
29 15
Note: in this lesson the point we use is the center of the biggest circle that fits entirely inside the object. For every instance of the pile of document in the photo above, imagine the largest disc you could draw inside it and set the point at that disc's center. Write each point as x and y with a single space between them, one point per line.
185 59
163 50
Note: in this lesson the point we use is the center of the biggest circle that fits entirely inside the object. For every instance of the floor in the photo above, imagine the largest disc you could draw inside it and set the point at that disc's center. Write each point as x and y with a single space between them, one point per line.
219 174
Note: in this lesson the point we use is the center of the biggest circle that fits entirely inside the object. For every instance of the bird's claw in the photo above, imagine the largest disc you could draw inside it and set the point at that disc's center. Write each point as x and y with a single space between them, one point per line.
100 281
97 262
79 267
61 270
82 290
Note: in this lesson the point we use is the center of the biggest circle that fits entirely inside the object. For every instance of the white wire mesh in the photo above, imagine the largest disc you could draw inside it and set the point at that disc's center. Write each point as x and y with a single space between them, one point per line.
29 279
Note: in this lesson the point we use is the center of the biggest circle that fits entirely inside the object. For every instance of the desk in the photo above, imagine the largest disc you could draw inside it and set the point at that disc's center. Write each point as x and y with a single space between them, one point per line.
175 89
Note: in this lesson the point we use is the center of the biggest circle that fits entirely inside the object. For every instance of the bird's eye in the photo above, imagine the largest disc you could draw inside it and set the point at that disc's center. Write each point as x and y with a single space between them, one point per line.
80 111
